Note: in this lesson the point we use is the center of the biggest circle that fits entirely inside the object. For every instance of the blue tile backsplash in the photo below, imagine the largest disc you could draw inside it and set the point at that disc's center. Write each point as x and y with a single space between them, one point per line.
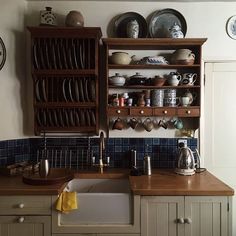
72 152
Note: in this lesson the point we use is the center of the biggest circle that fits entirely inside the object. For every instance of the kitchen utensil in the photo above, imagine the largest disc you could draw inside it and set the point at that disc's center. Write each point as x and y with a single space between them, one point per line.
158 81
163 20
174 78
74 19
120 58
184 101
118 124
192 96
133 122
44 168
157 97
117 80
188 78
147 169
183 57
132 29
137 79
121 22
148 124
185 161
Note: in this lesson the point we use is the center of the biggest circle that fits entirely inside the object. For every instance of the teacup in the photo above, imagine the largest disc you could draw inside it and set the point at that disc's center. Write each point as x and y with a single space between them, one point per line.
188 79
184 101
133 123
162 123
118 124
178 124
148 124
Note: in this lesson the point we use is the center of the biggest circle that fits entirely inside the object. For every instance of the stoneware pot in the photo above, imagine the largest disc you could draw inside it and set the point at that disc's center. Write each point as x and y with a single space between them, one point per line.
117 80
74 19
183 57
120 58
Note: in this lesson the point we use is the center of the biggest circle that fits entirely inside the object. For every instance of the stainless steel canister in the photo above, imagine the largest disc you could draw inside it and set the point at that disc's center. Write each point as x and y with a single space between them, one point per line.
44 168
147 169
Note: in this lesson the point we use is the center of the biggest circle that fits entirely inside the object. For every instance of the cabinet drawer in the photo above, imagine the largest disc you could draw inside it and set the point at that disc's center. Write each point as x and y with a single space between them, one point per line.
118 111
25 205
141 111
191 112
164 111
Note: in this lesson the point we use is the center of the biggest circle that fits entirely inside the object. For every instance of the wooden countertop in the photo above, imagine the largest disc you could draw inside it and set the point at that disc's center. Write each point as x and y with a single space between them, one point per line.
167 183
161 182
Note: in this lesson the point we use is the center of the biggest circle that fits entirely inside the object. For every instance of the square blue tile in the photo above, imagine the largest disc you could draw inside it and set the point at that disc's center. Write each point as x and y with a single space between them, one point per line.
156 141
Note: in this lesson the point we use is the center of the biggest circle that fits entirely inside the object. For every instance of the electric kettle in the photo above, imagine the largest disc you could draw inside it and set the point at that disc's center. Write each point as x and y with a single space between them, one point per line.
186 164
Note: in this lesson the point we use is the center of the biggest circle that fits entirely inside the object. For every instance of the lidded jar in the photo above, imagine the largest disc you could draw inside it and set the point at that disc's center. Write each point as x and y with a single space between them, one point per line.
74 19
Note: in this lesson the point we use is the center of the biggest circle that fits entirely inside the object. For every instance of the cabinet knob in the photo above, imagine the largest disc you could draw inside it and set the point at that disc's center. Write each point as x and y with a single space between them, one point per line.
188 112
180 221
118 111
142 112
21 219
187 221
21 205
165 112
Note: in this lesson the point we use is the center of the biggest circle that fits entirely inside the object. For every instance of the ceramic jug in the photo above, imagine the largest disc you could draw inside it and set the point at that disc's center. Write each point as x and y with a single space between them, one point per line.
174 78
192 96
175 31
132 29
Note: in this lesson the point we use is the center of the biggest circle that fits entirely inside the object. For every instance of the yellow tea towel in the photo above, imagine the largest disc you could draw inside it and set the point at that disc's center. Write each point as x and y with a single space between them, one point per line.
66 202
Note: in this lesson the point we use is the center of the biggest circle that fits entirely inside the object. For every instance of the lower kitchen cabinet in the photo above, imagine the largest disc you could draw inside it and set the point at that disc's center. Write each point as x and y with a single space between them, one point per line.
25 226
186 216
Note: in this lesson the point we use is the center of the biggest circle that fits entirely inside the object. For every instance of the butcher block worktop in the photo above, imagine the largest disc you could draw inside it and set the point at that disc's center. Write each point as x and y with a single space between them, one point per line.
161 182
167 183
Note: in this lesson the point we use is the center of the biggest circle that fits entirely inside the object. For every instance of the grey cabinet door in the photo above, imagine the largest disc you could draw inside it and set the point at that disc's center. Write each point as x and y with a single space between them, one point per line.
25 225
160 216
208 216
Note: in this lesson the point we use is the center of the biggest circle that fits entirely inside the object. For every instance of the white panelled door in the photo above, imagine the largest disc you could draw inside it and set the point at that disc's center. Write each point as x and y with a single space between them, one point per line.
218 138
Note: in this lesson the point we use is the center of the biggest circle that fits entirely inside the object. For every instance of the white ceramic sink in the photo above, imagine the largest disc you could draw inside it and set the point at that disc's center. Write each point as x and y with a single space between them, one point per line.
100 201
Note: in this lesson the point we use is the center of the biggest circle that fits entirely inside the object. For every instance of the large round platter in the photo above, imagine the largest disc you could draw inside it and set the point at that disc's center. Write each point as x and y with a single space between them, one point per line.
231 27
162 21
121 22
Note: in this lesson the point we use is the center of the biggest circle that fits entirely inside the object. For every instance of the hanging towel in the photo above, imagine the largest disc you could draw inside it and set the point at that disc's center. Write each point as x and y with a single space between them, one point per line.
66 202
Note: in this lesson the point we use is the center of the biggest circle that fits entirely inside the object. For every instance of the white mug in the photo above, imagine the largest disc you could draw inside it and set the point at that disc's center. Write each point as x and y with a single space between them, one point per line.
184 101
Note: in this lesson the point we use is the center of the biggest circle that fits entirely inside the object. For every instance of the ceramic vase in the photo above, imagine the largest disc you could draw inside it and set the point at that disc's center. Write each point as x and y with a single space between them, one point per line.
74 19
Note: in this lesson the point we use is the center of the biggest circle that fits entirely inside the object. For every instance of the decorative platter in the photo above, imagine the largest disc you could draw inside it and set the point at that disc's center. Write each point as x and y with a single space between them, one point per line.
163 20
231 27
121 22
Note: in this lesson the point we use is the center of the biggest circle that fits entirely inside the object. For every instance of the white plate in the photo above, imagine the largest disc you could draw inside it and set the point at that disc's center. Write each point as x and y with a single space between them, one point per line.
44 90
76 91
64 89
70 90
231 27
37 90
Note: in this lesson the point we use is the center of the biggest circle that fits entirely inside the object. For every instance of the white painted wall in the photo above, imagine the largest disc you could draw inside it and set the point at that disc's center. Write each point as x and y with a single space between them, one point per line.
204 19
12 76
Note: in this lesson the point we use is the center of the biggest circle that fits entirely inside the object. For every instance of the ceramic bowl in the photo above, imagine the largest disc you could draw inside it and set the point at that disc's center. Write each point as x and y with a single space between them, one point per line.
158 81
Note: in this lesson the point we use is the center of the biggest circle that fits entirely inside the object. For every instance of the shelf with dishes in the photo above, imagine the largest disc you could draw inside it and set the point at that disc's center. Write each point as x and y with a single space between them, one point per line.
49 119
166 83
65 72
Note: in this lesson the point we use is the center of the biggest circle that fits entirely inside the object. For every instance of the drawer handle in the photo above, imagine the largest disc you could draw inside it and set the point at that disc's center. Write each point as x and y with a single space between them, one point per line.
187 221
180 221
141 112
165 112
188 112
118 111
21 219
21 205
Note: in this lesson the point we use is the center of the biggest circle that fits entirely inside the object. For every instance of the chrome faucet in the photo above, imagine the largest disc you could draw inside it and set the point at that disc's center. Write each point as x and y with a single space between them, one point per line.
101 163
